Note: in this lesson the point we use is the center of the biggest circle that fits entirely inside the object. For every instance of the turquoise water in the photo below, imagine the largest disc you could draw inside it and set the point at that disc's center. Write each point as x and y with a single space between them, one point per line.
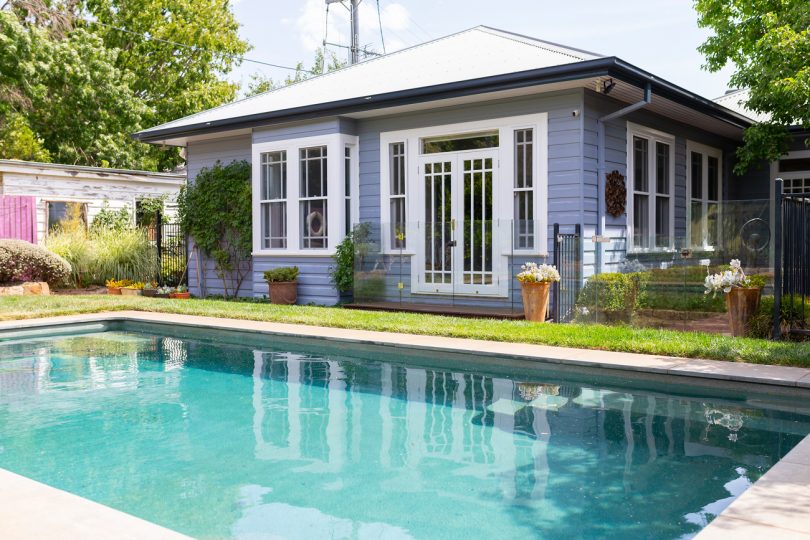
299 440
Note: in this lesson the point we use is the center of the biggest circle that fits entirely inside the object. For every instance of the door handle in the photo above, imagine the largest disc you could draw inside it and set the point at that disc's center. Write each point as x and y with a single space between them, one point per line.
451 243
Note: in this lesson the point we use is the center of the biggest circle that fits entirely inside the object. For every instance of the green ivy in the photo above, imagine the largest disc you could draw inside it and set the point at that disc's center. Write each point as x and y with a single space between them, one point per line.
215 211
148 208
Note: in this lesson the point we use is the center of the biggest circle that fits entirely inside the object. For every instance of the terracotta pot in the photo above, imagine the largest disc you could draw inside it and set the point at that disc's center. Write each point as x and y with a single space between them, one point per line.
535 300
131 292
283 292
180 295
150 293
742 303
113 290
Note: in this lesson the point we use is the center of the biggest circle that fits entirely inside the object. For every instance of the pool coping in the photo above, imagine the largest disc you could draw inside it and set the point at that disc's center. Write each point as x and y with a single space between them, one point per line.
777 504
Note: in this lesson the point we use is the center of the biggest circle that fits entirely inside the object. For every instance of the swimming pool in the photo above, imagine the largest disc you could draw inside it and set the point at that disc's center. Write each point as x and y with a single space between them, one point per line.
218 434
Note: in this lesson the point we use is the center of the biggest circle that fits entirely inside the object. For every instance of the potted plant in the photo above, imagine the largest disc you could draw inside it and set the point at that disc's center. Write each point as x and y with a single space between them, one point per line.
535 282
743 294
150 289
114 286
164 292
133 289
180 293
283 284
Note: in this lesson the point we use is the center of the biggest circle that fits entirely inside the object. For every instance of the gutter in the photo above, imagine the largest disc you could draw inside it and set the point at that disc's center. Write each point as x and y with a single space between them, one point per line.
609 66
600 180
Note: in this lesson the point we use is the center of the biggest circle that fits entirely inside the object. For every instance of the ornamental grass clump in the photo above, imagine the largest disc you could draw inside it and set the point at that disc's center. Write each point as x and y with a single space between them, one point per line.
534 273
23 261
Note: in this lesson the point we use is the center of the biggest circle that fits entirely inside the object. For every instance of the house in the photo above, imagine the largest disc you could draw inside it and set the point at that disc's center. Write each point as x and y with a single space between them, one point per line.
35 197
463 154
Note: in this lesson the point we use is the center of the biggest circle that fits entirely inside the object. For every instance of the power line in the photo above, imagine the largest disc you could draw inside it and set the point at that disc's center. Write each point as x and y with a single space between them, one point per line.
194 47
379 19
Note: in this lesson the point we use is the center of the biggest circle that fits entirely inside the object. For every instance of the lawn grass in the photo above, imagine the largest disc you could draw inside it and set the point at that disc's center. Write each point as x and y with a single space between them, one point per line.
590 336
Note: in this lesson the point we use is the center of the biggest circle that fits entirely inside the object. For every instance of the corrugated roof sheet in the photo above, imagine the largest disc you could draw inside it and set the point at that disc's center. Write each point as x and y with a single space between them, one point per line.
471 54
736 101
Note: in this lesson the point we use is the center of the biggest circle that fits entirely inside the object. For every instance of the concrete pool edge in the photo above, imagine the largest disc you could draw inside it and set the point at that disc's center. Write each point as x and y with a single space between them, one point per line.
776 505
31 509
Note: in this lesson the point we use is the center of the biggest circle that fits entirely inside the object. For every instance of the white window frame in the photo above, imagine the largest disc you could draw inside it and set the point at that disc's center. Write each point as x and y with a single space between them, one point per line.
270 202
706 151
505 207
336 197
652 136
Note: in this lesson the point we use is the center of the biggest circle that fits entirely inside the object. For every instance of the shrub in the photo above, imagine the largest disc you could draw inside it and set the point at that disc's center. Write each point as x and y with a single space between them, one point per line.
355 246
761 323
106 218
23 261
281 274
614 294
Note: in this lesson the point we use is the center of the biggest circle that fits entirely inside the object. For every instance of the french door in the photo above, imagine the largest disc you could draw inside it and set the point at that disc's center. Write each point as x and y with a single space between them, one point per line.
459 233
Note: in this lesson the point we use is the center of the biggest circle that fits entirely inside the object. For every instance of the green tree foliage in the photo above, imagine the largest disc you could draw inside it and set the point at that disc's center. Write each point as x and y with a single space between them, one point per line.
215 211
18 141
85 74
768 42
180 68
259 84
109 219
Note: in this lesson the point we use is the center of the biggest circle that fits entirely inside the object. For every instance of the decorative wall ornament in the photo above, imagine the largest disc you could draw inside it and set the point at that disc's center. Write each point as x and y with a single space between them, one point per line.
615 193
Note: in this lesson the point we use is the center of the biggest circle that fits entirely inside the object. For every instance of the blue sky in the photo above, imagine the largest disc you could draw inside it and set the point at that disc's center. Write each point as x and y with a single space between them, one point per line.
660 36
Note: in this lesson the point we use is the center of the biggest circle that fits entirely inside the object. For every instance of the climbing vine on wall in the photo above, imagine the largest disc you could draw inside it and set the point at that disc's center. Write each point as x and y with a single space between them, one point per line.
615 193
215 211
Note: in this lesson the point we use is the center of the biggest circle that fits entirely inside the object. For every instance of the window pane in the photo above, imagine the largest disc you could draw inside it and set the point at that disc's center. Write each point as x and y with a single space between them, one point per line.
397 165
398 222
696 226
313 226
274 225
396 152
313 172
640 164
712 224
662 222
274 175
524 220
697 175
347 172
713 179
66 214
524 150
662 168
641 220
457 143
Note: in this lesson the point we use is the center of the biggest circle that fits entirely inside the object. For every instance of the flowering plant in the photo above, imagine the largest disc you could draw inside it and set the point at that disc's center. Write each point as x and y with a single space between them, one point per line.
534 273
725 281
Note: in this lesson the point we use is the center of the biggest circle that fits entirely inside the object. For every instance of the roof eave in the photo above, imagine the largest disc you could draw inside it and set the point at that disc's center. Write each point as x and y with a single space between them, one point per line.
607 66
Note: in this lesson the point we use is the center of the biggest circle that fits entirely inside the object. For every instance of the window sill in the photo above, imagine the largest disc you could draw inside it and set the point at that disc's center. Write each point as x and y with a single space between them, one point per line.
294 253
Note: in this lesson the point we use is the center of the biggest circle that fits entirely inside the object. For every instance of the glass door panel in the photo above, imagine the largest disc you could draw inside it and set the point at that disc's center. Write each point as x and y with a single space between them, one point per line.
438 218
476 230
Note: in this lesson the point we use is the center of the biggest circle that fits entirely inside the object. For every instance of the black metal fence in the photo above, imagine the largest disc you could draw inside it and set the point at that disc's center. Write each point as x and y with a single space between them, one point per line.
171 253
791 263
567 259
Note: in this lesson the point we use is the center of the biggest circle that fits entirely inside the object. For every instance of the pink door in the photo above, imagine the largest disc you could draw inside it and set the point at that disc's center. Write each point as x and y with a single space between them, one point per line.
18 217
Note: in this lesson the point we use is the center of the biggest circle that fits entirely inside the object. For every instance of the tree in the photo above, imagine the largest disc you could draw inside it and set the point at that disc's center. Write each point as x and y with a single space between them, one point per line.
74 103
177 53
260 84
768 42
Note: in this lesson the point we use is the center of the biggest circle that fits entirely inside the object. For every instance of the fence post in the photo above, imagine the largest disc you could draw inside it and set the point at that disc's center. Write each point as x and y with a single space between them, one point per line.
777 259
558 285
159 247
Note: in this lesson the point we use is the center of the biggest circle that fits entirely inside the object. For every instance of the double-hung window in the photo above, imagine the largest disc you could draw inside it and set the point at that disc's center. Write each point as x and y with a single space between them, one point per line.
273 201
704 184
650 197
313 197
347 188
524 189
396 161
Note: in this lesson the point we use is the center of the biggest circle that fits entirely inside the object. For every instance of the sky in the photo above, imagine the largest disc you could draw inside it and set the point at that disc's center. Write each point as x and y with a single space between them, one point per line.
660 36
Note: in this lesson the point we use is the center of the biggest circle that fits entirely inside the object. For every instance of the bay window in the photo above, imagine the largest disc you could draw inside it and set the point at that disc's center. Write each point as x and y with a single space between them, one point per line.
650 212
704 194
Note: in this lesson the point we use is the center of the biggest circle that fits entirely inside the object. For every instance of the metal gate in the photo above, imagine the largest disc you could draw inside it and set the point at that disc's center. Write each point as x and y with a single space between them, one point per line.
568 261
792 262
171 253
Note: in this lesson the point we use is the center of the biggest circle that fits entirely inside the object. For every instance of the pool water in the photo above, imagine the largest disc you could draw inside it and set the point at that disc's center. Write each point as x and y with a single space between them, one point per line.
215 439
